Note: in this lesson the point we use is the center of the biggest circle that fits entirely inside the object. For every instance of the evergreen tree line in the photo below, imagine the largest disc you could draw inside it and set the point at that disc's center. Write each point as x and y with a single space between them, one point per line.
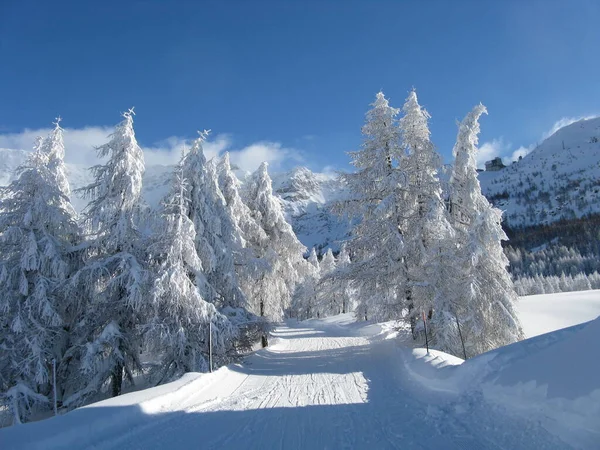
122 291
554 267
551 260
325 291
553 284
419 252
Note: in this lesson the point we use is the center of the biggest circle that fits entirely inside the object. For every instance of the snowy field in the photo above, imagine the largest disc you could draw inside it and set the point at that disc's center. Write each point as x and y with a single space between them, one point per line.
334 383
541 314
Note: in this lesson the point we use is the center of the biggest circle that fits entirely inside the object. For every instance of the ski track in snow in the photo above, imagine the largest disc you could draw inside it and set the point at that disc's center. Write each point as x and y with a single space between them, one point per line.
319 386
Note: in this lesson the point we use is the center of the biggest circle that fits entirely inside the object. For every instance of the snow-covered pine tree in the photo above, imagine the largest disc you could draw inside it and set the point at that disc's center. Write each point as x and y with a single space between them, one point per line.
328 298
252 239
37 233
114 278
283 253
464 202
305 298
216 238
181 319
483 296
425 228
231 242
218 241
375 189
249 247
341 284
54 147
252 234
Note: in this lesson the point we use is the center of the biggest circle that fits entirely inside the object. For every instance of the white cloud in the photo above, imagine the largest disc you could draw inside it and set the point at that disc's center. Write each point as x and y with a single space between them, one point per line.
79 143
250 157
80 148
498 147
330 172
489 150
520 152
563 122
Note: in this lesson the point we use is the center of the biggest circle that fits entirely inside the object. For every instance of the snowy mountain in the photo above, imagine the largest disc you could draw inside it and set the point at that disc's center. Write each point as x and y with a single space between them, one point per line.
306 198
558 180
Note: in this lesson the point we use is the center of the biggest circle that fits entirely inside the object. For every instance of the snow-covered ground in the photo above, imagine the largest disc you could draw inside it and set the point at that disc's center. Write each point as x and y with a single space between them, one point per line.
334 383
549 312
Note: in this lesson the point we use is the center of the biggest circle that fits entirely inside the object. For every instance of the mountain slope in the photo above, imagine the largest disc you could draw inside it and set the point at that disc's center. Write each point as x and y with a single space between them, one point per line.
558 180
306 198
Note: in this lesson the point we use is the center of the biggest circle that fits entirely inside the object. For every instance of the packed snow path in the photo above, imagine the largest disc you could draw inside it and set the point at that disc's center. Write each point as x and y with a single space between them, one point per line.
320 385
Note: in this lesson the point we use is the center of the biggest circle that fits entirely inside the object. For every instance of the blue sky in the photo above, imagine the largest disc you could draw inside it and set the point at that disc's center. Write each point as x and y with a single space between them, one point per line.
296 77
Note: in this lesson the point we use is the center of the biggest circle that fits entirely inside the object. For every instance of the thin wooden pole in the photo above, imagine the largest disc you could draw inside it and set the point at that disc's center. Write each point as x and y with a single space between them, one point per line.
461 337
210 362
426 337
54 384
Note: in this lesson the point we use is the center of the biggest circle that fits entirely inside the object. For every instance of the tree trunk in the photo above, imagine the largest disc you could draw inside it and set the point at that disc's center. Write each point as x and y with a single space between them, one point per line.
263 338
411 306
117 380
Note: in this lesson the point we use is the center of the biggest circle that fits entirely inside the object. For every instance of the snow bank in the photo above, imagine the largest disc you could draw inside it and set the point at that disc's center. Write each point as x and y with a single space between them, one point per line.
79 428
436 370
553 378
555 375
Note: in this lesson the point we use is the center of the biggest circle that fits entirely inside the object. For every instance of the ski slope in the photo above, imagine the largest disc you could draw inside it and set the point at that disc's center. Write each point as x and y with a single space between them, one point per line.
322 384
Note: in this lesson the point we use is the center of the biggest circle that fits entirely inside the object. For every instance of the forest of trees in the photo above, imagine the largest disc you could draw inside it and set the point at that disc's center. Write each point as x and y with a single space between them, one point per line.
123 292
562 256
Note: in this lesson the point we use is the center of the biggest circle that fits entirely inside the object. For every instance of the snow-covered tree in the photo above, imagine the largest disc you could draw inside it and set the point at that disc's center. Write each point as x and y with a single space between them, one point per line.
424 225
182 319
328 262
283 253
464 184
252 234
329 298
305 299
114 278
216 237
371 183
250 237
481 300
375 189
53 146
341 284
37 233
250 252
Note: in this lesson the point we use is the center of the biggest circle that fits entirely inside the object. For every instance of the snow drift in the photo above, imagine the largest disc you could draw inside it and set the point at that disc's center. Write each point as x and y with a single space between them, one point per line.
552 378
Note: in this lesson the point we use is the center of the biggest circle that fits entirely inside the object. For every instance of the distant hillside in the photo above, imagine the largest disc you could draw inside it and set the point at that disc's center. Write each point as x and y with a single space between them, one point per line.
559 180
